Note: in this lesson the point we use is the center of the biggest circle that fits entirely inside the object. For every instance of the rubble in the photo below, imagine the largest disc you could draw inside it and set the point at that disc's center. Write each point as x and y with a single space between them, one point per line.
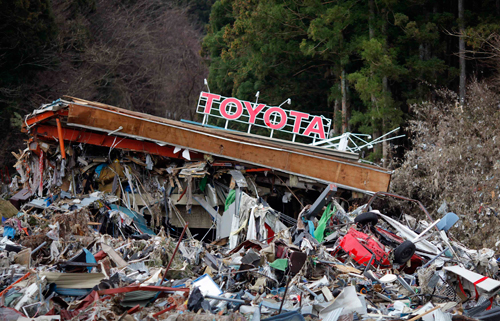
104 233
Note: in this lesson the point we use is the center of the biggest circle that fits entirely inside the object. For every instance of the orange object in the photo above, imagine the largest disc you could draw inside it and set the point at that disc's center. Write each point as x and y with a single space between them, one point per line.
61 138
72 135
252 170
12 285
134 309
163 311
44 116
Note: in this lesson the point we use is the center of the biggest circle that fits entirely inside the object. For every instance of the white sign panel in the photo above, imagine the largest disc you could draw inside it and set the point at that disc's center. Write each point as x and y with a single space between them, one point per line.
256 115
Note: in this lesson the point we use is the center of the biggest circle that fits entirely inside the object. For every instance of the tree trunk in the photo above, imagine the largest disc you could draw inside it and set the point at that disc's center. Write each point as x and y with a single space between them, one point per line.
348 115
344 102
371 18
335 115
461 48
385 145
371 33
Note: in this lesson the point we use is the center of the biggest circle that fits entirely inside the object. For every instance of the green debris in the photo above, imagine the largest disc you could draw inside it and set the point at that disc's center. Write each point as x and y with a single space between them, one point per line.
319 233
279 264
231 197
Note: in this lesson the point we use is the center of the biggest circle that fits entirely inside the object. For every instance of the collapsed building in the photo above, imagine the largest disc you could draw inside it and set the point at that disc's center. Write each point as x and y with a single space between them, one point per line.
119 215
156 166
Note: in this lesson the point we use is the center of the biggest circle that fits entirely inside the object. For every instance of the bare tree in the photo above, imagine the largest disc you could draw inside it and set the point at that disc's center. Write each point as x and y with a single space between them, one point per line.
143 56
461 48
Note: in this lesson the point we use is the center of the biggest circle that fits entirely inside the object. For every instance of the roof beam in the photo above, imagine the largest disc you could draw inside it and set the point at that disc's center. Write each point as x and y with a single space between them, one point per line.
345 173
78 136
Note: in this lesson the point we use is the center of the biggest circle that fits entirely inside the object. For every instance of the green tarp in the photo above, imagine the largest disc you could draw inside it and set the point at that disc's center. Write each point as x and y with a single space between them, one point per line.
231 197
319 233
203 183
279 264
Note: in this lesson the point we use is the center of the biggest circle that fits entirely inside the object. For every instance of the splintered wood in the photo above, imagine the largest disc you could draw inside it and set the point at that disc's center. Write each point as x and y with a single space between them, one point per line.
346 269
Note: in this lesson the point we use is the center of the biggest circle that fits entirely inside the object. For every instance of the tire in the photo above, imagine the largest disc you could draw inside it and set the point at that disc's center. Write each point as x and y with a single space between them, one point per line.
404 252
366 218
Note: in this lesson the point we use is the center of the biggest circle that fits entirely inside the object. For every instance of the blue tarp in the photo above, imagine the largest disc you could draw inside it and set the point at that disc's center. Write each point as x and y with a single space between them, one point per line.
99 168
9 232
72 292
139 220
89 258
447 221
310 224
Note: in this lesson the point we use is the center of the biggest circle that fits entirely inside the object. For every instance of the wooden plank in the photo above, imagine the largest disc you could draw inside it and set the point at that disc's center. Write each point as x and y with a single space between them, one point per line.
316 165
346 269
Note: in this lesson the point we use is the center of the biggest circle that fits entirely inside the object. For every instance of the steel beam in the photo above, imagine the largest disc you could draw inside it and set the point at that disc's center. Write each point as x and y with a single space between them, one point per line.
72 135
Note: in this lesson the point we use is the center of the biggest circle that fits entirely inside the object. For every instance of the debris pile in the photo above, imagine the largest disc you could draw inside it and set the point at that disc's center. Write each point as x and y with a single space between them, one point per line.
104 233
454 162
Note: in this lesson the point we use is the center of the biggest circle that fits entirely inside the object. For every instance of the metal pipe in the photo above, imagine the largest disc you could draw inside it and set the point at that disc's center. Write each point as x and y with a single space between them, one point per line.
38 248
12 285
311 292
115 131
369 264
404 284
164 310
173 255
284 295
61 138
434 258
167 214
